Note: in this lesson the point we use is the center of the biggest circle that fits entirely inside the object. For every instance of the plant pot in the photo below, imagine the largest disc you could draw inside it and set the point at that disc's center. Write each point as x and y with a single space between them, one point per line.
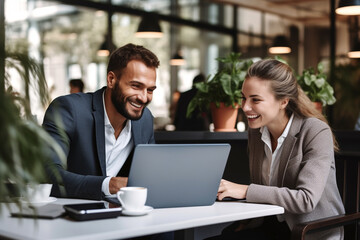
318 106
224 117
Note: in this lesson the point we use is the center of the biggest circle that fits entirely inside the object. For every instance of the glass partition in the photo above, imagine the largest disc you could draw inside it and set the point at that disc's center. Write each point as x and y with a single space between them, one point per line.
66 38
194 10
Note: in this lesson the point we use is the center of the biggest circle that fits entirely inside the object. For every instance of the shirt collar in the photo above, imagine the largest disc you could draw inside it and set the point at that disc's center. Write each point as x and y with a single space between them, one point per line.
266 134
106 118
107 122
287 129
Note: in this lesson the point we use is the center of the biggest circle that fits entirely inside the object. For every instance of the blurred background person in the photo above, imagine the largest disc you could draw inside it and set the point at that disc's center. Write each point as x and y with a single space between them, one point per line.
173 105
198 121
357 125
76 85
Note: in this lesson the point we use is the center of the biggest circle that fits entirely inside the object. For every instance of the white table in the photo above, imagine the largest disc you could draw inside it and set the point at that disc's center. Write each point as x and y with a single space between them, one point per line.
159 220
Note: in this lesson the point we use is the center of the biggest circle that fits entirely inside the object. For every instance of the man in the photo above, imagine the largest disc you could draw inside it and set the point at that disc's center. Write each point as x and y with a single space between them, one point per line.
357 124
100 130
198 121
76 85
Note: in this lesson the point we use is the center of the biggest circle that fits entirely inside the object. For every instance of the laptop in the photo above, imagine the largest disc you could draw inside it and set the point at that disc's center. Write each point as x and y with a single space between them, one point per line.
179 175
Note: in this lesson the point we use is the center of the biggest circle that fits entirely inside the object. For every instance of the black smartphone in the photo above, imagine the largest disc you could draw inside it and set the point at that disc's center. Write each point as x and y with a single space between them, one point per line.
91 211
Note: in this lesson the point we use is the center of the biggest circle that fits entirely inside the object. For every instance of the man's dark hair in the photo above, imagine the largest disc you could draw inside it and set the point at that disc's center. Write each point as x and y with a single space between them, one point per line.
77 83
123 55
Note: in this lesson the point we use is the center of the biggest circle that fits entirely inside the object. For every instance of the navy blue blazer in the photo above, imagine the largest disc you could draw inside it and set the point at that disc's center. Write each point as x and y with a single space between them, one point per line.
83 141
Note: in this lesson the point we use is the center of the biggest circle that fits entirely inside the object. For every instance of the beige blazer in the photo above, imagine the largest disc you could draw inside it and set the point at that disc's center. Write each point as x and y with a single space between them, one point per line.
306 186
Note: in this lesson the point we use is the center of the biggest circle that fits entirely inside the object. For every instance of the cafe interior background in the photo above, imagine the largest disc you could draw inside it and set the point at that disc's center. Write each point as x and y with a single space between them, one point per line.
66 36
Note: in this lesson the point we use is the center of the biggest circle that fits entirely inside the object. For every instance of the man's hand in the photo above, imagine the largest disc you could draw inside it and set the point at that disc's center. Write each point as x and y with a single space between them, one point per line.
230 189
116 183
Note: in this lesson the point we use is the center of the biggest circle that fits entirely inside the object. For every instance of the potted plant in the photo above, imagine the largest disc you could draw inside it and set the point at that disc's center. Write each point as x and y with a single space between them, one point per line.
23 155
222 92
316 87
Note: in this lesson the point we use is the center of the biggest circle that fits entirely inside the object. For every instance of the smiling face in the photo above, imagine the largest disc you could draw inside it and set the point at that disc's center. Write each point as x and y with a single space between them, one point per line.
134 90
260 105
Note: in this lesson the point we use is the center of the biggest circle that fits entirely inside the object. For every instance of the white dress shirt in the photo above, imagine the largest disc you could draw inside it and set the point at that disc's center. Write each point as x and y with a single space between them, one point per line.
272 159
116 150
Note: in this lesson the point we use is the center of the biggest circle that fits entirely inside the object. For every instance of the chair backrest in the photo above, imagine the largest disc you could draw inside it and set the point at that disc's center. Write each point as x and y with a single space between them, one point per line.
348 178
348 140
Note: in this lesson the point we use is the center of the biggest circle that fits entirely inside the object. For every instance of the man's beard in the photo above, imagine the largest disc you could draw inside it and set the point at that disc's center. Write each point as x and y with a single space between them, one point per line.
119 101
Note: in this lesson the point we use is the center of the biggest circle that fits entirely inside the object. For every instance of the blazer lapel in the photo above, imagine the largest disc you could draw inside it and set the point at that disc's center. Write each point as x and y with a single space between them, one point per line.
98 114
135 132
288 147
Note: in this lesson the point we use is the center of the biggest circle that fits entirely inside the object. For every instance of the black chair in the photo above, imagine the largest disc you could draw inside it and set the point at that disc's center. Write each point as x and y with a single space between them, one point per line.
348 177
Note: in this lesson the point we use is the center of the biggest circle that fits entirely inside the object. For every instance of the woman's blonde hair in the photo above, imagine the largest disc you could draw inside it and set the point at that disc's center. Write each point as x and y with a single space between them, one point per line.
284 85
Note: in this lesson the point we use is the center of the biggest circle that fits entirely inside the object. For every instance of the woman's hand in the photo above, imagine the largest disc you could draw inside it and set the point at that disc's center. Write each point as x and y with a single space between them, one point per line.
230 189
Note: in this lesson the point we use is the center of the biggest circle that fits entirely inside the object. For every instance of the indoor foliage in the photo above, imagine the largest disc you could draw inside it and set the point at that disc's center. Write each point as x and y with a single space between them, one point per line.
316 87
25 144
224 86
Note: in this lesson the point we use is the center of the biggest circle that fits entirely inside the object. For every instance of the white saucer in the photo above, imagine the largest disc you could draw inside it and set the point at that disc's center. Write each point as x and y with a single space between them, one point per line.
46 201
144 211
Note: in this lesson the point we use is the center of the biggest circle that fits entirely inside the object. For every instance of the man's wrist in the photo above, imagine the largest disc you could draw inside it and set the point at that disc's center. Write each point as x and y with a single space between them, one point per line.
105 186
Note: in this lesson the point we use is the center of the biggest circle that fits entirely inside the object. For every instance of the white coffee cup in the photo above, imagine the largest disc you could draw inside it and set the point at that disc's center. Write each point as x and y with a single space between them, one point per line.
38 192
132 198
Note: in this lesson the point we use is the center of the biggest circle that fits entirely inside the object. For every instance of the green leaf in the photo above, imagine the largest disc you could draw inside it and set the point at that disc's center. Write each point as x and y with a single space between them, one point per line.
307 79
330 89
331 100
320 67
312 77
202 87
242 76
191 108
225 80
280 59
319 82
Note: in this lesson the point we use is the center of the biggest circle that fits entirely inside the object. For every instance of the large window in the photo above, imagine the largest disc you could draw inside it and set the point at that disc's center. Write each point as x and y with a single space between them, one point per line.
65 39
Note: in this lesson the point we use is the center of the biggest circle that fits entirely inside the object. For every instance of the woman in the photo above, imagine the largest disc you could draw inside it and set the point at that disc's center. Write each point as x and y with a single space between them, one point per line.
291 154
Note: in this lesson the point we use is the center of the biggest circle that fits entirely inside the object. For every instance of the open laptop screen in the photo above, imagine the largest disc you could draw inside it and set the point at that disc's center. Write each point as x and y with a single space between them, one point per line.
179 175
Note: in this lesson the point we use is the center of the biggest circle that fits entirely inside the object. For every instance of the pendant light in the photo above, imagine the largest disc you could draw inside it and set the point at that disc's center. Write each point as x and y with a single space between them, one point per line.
355 51
280 45
177 59
348 7
104 49
149 27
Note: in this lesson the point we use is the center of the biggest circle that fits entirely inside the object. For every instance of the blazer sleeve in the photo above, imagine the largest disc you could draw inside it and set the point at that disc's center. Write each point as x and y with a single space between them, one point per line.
60 122
308 171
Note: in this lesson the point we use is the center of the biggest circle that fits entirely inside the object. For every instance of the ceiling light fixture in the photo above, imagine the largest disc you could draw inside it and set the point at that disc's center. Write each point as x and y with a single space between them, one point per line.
280 45
355 51
177 60
348 7
104 50
149 27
